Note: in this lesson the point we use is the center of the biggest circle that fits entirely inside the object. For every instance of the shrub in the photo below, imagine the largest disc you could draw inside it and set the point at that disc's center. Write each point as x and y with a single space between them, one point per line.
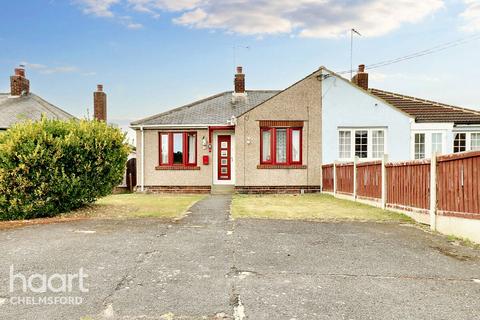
51 166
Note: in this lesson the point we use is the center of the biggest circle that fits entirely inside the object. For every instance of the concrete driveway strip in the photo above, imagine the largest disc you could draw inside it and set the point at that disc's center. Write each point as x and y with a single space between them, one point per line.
207 266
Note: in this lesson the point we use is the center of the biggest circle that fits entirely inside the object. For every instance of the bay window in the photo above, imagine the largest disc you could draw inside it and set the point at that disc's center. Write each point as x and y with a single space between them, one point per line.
178 148
281 146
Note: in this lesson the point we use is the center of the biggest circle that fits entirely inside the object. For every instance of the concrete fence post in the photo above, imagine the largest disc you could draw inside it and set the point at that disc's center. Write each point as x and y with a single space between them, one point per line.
335 179
384 181
433 192
355 161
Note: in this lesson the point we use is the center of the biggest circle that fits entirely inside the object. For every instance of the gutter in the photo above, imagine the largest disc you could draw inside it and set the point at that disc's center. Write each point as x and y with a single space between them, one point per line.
166 126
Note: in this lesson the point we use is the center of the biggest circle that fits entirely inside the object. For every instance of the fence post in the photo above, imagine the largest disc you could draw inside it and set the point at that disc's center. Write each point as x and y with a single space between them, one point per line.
433 192
355 160
334 178
384 181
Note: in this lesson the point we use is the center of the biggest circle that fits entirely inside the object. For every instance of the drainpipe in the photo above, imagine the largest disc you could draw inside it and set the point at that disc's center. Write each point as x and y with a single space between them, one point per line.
142 164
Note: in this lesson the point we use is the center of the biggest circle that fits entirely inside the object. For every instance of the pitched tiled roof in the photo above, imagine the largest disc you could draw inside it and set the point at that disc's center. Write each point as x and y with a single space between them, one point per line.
428 111
217 109
27 107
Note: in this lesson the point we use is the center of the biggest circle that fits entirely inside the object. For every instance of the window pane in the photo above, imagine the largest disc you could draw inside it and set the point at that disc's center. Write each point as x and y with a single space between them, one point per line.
192 148
378 143
345 144
178 148
266 148
296 145
164 153
361 143
419 145
437 143
281 146
475 141
460 142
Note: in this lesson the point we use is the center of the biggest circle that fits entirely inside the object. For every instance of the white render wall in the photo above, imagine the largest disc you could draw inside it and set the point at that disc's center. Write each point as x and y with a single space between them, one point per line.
345 105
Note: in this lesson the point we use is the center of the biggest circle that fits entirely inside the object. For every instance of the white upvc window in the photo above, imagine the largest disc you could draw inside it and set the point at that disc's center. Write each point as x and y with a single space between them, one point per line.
466 141
437 142
425 143
364 143
378 143
475 141
345 144
419 146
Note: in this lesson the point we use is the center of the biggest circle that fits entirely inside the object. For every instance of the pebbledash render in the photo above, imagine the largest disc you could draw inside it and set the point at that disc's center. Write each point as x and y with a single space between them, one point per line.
271 141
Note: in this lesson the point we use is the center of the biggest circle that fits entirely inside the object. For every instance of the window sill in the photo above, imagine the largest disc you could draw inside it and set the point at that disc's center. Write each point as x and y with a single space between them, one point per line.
177 168
281 166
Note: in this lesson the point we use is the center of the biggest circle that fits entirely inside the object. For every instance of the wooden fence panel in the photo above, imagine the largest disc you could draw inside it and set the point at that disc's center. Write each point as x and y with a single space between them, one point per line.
458 189
369 179
408 184
327 177
345 178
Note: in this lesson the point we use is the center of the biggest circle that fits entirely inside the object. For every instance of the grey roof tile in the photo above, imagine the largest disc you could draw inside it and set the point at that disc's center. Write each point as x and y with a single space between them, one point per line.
217 109
28 107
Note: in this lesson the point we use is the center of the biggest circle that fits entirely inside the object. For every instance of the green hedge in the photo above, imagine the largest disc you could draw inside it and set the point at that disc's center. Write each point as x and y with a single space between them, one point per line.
50 166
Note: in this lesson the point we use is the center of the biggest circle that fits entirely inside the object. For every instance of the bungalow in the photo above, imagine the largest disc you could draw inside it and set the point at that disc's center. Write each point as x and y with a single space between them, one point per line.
259 141
20 104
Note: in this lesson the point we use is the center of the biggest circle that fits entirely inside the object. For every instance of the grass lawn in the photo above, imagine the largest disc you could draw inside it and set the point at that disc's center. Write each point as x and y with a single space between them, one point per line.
308 207
120 206
139 206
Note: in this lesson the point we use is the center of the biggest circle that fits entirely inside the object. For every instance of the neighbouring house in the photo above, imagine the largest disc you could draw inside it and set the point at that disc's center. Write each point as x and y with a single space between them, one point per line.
259 141
20 104
367 123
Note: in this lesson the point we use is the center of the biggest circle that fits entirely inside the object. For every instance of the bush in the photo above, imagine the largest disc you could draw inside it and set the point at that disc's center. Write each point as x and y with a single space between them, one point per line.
51 166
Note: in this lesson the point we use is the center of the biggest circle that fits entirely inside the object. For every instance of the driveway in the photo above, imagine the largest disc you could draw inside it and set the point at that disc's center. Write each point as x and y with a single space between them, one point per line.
209 267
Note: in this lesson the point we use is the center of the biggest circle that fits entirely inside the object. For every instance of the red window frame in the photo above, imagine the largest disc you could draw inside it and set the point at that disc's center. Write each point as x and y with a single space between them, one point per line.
185 136
273 146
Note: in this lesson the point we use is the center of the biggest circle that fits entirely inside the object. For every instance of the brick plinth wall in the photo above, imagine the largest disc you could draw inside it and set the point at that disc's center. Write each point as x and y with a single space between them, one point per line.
276 189
178 189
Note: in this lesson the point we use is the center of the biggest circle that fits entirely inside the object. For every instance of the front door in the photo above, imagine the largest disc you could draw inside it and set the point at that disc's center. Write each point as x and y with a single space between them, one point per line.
224 158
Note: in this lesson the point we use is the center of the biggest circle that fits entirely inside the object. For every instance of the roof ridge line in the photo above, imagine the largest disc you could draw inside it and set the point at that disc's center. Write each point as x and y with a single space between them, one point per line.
137 122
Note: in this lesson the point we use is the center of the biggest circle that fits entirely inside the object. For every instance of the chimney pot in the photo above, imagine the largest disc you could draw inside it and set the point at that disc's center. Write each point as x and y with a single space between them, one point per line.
20 71
361 68
99 87
239 69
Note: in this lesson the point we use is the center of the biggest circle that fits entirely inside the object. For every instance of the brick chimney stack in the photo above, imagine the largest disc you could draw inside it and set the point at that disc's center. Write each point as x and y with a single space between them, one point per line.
100 104
361 78
19 85
239 81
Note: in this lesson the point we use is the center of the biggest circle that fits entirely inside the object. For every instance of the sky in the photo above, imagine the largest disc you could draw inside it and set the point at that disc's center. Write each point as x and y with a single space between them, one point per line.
154 55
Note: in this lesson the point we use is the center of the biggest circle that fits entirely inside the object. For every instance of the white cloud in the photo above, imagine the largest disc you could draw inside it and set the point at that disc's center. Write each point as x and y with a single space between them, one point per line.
305 18
471 16
100 8
44 69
